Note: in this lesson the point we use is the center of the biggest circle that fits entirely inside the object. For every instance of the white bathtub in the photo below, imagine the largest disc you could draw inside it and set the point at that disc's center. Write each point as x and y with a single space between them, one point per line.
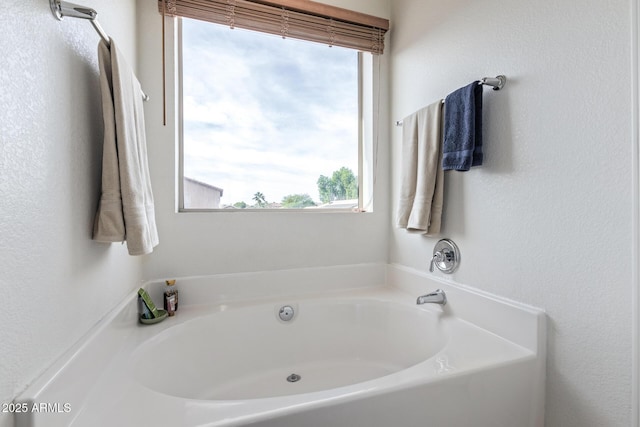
365 357
247 352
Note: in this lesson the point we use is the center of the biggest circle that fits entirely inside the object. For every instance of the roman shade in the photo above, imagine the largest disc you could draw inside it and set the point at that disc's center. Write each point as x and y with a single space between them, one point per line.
300 19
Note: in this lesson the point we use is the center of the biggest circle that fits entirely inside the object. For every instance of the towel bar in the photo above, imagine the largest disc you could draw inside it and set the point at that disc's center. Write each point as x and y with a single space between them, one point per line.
60 9
496 83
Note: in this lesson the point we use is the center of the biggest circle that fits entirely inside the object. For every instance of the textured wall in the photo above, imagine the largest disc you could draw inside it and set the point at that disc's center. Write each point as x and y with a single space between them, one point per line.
380 8
208 243
547 219
55 283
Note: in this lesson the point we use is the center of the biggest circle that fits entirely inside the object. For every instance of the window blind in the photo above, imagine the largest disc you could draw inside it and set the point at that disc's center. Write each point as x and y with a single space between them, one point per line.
300 19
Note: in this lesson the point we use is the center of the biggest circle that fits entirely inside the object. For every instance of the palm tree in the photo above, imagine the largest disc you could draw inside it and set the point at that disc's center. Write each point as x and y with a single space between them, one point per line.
260 200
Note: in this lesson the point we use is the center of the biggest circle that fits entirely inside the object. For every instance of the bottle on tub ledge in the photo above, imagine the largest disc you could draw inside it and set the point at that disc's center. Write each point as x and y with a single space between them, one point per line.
171 297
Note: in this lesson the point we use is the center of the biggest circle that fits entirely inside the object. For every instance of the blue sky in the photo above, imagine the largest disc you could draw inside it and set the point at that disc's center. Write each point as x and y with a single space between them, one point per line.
266 114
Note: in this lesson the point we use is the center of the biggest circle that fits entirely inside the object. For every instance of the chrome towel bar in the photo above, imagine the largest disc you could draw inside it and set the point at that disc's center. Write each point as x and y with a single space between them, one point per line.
496 83
61 9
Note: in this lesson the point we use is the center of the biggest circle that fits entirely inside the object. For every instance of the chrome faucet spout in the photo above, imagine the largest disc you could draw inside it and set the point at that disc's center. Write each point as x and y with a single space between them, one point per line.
437 297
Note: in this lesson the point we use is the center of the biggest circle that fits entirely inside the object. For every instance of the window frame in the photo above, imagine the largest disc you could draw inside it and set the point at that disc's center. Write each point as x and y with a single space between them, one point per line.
364 182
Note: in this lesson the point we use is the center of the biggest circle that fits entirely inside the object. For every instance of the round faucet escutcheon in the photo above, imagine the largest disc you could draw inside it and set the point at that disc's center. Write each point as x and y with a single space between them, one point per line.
446 256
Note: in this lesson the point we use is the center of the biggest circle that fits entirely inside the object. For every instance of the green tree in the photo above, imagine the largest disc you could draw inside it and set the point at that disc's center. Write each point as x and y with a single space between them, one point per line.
325 189
342 185
261 202
293 201
346 183
240 205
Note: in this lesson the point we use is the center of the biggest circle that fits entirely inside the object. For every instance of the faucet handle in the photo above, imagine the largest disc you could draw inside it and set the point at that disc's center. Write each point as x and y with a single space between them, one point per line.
437 257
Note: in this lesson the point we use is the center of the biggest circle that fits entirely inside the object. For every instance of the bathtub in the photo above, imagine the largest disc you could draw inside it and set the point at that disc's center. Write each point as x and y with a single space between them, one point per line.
356 352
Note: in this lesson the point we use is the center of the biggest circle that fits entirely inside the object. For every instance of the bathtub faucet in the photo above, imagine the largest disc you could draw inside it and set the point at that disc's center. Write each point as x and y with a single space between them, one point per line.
437 297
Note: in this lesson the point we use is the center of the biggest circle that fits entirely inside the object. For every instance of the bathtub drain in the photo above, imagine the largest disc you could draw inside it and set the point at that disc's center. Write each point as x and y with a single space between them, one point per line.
294 378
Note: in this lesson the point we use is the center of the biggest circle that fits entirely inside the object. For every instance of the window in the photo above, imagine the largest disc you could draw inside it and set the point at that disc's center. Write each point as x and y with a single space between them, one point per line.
268 122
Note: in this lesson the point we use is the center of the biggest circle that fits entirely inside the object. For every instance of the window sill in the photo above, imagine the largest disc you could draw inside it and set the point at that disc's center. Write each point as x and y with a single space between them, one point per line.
271 211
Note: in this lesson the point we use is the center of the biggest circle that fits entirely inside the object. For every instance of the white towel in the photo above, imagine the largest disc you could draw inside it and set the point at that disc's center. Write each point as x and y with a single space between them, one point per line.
422 177
126 210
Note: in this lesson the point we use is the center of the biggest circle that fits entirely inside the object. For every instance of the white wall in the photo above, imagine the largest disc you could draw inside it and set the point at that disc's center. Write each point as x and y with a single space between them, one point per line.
547 220
379 8
207 243
55 283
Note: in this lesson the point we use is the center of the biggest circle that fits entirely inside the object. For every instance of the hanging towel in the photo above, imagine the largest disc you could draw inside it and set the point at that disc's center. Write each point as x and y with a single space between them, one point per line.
126 209
463 128
422 177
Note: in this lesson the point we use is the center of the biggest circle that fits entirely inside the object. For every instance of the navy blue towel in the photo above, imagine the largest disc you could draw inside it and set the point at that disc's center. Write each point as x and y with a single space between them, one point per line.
462 147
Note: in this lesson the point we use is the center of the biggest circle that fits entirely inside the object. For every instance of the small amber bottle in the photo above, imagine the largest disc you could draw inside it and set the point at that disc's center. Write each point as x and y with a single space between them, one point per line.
171 298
